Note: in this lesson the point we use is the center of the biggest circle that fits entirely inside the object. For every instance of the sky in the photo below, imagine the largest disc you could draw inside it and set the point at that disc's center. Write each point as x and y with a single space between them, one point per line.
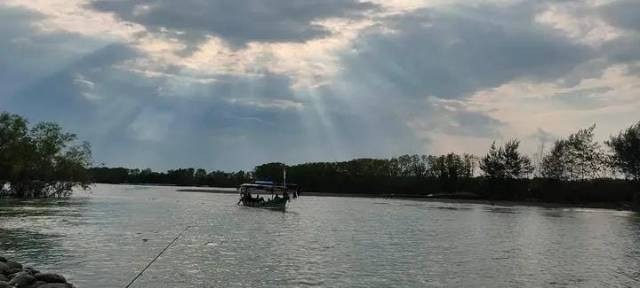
228 85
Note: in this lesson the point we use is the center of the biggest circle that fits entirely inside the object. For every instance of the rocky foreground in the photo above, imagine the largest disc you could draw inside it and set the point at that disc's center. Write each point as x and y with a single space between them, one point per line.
14 275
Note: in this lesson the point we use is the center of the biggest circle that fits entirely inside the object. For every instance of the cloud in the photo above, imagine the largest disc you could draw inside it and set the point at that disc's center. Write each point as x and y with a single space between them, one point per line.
543 136
162 84
28 56
151 125
238 22
622 13
450 53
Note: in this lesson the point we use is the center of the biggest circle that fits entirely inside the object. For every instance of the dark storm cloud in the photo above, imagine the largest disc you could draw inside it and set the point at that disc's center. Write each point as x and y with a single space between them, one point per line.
623 13
393 88
239 21
452 52
27 56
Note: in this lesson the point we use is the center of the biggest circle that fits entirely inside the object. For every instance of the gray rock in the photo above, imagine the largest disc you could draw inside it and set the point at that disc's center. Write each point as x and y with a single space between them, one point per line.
56 285
31 270
2 259
37 284
22 280
4 284
13 270
13 264
3 268
51 278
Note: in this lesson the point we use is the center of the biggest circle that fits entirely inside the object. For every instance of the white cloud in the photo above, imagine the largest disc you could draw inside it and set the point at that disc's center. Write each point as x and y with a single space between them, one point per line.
86 87
525 107
579 22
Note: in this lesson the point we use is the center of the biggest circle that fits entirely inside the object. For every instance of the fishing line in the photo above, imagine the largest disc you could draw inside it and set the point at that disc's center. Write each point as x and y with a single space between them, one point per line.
157 256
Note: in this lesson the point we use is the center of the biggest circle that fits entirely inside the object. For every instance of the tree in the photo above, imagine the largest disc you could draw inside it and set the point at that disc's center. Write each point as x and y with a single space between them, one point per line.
492 164
625 149
578 157
200 176
506 162
516 165
554 165
42 161
470 162
270 172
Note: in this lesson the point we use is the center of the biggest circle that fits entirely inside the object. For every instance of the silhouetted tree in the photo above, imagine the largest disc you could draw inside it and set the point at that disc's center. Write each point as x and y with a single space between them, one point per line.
554 165
625 148
270 171
506 162
578 157
41 161
516 165
492 164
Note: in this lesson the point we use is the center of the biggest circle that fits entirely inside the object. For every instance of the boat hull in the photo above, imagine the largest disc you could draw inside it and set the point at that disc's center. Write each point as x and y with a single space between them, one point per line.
275 204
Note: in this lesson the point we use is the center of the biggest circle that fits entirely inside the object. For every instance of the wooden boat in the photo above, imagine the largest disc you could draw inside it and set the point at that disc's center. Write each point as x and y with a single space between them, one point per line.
267 195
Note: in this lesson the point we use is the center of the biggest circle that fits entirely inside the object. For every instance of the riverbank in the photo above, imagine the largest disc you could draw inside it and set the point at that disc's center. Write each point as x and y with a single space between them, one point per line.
15 275
469 198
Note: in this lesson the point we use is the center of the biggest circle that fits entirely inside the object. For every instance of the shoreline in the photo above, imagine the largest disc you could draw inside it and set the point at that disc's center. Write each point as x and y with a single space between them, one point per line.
619 206
14 274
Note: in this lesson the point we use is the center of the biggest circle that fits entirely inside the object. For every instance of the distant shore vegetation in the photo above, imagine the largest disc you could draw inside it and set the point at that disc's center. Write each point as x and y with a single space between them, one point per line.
43 161
575 169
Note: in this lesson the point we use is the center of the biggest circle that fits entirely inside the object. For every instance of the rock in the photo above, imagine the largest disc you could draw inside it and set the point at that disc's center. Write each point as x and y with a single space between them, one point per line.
3 278
51 278
55 285
31 270
13 270
12 264
2 259
3 268
22 280
37 284
4 284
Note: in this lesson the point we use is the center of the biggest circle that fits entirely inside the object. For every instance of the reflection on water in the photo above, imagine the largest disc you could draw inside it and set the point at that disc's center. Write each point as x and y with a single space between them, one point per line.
105 238
31 245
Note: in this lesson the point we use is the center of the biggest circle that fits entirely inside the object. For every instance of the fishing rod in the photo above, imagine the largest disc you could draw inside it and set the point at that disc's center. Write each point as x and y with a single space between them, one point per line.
157 256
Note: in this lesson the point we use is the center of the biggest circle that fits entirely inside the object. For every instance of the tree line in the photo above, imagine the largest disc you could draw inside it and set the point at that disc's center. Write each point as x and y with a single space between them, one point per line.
42 160
179 177
576 169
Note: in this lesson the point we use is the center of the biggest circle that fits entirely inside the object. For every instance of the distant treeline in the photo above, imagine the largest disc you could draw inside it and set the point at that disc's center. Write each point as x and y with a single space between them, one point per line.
180 177
575 169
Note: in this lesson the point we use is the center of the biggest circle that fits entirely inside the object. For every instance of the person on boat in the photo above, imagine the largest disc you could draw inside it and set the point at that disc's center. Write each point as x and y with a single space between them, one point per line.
285 195
245 197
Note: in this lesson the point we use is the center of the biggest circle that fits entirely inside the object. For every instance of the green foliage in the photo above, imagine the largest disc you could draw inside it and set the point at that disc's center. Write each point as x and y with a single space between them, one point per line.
625 149
578 157
41 161
506 162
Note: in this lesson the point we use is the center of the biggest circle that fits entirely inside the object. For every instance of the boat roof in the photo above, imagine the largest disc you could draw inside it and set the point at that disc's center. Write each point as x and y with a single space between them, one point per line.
264 182
261 186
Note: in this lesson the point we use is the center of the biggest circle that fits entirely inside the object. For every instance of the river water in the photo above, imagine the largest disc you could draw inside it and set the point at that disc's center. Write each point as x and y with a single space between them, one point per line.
105 237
